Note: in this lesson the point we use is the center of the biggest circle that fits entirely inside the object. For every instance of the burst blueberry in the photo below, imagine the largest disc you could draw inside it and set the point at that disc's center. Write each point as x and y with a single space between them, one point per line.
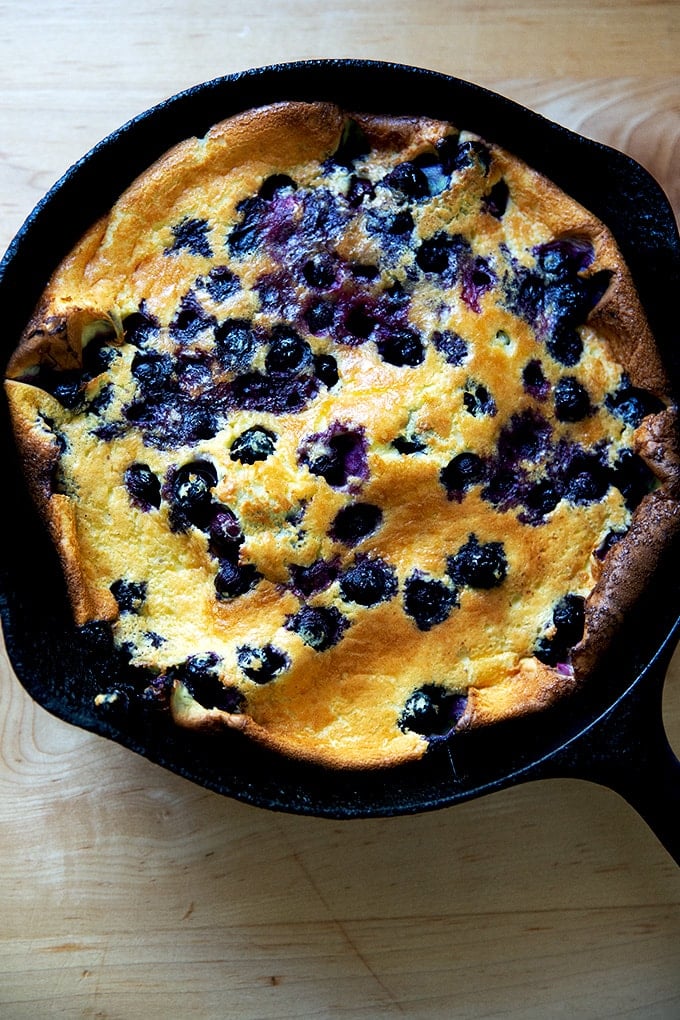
130 595
632 404
571 399
355 522
320 627
428 601
462 472
326 369
234 579
432 711
369 582
254 444
235 344
262 664
479 564
190 494
288 353
402 347
143 486
224 533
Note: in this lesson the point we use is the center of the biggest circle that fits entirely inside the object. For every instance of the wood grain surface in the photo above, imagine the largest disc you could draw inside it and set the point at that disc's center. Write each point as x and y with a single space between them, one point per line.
127 892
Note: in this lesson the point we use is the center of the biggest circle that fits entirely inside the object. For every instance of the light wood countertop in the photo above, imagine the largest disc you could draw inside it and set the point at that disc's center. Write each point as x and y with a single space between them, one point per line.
127 892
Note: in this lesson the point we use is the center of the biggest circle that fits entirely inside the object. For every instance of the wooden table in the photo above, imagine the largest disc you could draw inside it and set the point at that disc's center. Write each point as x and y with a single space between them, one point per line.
126 892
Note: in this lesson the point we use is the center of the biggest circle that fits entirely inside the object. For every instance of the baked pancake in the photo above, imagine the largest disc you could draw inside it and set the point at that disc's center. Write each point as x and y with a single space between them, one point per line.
351 430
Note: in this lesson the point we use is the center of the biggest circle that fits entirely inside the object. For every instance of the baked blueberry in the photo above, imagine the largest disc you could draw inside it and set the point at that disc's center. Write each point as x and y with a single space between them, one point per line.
402 347
335 455
190 494
234 579
564 256
288 353
478 401
320 627
143 486
224 533
221 283
525 437
319 315
98 355
368 582
632 478
534 381
632 404
432 711
565 345
235 344
326 369
190 319
428 601
153 372
408 444
440 252
608 542
199 676
479 565
255 443
273 184
140 327
319 272
355 522
360 188
462 472
409 180
262 664
584 478
359 322
571 399
130 595
191 234
452 346
542 498
317 577
569 620
496 200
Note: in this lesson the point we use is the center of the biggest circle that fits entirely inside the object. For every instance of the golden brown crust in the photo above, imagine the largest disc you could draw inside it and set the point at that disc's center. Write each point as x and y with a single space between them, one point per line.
342 706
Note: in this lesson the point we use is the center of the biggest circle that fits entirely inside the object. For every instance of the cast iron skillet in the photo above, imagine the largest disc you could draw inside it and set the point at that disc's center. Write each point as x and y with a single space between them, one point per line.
612 732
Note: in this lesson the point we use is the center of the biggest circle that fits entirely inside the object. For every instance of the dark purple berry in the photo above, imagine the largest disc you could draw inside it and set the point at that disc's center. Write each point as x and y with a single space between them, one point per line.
408 445
496 200
408 179
534 381
360 188
288 353
153 372
198 675
452 346
319 316
632 477
479 565
585 479
359 322
130 595
428 601
368 582
470 152
235 579
608 542
235 343
565 345
190 319
542 498
355 522
220 283
98 355
336 455
273 184
319 272
434 255
572 402
255 443
525 437
632 404
139 327
320 627
143 486
191 234
326 369
569 620
402 347
432 711
262 664
566 256
224 533
462 472
190 495
478 401
364 270
308 581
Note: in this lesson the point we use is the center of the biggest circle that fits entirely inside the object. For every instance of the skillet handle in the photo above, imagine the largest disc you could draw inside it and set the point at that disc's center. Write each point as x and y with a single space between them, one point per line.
627 750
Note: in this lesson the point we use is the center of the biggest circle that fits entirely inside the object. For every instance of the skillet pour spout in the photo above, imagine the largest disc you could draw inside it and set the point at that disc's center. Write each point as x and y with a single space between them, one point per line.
610 732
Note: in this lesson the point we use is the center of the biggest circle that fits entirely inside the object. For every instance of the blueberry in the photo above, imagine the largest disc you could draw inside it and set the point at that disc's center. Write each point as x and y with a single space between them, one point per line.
66 387
572 402
191 234
608 542
288 353
360 188
402 347
452 346
235 579
139 327
130 595
526 295
585 479
399 223
368 582
326 369
190 319
470 152
447 149
428 601
407 445
431 166
364 270
262 664
153 372
571 299
563 257
98 355
235 343
432 711
319 316
496 200
143 486
533 379
315 578
435 254
478 401
353 144
569 620
479 565
632 404
408 179
525 437
255 443
198 675
274 183
565 345
632 478
359 322
336 455
355 521
319 272
320 627
190 494
462 472
221 283
542 498
224 533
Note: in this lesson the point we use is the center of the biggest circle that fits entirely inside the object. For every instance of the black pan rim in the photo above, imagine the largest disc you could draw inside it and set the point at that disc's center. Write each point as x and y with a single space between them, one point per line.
346 800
